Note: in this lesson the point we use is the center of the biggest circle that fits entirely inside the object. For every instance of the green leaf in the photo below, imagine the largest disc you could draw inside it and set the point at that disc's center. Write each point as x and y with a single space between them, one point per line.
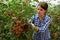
36 0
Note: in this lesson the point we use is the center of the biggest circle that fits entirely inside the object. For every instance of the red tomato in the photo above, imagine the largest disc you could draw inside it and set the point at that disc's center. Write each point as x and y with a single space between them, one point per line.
14 31
26 30
22 27
18 31
15 25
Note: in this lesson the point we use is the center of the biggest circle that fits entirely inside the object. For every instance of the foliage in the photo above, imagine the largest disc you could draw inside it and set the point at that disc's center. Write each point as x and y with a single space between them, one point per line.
13 20
54 13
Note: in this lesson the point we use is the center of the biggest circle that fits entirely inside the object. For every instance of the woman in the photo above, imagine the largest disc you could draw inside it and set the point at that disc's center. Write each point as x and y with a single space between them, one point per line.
40 22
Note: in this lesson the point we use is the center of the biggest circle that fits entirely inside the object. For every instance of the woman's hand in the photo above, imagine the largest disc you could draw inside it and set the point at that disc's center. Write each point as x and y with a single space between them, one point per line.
29 21
35 27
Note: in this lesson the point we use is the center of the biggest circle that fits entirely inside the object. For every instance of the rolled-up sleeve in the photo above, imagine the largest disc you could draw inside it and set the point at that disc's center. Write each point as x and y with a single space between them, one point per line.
45 26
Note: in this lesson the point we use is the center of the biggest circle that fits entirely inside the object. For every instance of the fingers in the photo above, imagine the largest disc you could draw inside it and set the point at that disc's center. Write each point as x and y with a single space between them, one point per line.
30 21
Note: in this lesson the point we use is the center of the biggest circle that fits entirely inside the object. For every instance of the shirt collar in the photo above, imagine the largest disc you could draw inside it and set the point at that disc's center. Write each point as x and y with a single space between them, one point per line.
38 16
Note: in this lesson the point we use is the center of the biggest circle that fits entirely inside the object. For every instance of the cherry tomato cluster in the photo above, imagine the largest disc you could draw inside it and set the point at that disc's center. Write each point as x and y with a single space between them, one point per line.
18 28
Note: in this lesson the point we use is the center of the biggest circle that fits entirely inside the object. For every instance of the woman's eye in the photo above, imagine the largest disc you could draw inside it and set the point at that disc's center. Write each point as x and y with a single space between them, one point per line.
40 9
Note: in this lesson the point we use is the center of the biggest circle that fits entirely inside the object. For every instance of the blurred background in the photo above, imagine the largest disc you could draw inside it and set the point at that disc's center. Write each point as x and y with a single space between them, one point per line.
12 11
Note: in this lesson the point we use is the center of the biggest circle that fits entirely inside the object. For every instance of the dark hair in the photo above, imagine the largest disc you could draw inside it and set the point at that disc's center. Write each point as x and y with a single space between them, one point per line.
44 5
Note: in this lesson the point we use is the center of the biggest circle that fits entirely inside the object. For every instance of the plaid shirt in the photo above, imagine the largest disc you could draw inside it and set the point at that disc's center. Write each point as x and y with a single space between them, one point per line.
43 32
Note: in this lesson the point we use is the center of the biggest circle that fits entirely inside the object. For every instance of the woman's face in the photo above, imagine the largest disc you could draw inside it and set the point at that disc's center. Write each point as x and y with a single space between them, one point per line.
41 12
